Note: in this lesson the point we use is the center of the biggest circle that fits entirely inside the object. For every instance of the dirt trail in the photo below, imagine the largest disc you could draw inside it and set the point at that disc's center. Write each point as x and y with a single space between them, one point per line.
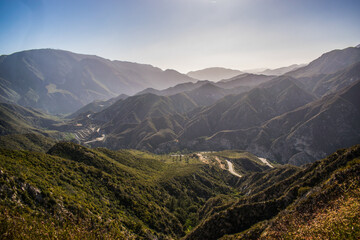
264 160
231 169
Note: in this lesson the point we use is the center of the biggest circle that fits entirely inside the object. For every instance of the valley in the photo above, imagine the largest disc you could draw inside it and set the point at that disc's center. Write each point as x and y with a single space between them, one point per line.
179 120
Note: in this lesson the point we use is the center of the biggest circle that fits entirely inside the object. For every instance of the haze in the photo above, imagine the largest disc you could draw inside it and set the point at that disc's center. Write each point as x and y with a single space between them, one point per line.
184 34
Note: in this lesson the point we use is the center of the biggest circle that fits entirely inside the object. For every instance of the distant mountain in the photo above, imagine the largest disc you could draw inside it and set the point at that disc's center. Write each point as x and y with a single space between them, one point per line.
179 88
235 85
244 80
214 74
58 81
281 71
328 63
247 110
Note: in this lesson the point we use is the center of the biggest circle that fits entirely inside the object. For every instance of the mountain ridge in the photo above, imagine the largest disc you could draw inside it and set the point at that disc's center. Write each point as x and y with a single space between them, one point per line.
60 81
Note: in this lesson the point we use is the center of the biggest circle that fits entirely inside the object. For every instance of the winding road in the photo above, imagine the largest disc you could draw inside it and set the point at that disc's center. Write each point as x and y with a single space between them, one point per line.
205 160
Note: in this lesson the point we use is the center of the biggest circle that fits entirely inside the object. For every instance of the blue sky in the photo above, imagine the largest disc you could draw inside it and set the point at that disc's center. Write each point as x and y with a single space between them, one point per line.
184 34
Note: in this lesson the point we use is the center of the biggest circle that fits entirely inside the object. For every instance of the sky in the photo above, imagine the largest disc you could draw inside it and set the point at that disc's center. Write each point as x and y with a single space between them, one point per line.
184 35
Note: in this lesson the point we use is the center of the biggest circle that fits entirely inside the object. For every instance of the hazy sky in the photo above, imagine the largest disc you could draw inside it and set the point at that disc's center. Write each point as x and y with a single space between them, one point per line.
184 34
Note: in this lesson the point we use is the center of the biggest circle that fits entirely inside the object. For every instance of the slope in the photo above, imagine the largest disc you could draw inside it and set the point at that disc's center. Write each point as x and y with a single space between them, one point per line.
320 182
16 119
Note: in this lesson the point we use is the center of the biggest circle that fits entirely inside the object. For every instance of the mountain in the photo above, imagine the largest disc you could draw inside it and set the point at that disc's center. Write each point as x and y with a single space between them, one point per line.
321 85
281 71
328 63
58 81
214 74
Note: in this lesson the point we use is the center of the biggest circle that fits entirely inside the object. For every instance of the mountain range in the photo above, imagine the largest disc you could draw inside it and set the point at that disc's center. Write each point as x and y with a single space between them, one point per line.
298 111
285 119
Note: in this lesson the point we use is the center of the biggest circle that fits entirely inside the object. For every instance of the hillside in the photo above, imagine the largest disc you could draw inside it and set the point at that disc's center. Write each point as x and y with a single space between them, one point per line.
57 81
77 192
15 119
295 201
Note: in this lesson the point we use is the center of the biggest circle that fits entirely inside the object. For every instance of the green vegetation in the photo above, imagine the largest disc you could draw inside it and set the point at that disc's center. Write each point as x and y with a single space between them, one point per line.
90 193
29 141
75 192
15 119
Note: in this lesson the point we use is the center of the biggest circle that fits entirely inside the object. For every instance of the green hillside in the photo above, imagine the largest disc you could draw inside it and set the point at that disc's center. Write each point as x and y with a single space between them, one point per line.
83 193
80 193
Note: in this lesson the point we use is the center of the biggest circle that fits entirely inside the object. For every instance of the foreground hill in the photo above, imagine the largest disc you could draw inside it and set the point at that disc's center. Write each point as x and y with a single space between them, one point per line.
80 193
58 81
75 192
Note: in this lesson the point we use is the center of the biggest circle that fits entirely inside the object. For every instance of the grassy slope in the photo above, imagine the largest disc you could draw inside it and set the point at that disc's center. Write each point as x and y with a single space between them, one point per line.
90 193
